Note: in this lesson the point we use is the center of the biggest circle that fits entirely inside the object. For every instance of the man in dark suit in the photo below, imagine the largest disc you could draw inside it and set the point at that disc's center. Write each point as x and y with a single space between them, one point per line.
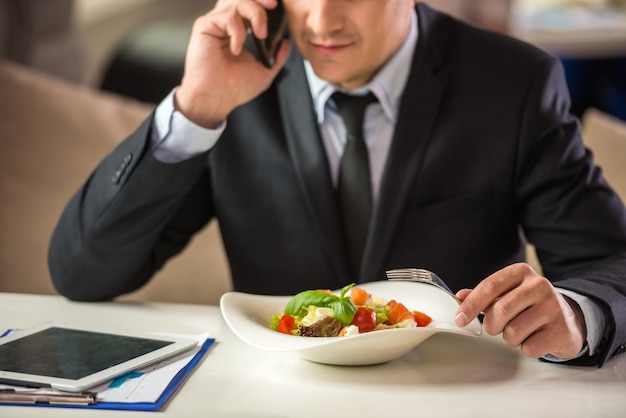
472 151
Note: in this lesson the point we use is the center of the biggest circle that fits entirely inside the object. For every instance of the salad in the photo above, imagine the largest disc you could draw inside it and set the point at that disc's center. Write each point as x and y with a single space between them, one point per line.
320 313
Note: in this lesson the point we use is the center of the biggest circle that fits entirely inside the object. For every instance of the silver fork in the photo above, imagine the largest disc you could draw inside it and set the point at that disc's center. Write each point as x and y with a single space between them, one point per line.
422 276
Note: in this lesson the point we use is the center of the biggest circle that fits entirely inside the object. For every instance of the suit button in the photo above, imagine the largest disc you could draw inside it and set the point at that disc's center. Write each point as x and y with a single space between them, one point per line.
120 171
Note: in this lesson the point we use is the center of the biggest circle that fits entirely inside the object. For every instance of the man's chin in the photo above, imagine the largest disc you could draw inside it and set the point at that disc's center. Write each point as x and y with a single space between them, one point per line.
335 73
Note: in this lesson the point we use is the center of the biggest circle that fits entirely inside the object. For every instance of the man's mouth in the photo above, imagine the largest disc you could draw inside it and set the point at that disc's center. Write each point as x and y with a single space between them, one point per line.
328 48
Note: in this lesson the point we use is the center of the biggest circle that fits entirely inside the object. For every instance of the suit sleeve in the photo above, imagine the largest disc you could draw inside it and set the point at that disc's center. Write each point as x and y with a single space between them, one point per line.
569 211
131 215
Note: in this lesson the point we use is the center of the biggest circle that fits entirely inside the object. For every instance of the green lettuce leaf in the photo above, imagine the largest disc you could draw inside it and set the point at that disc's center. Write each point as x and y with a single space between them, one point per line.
342 306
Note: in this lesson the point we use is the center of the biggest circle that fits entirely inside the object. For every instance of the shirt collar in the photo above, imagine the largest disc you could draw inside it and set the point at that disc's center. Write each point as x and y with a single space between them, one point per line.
387 85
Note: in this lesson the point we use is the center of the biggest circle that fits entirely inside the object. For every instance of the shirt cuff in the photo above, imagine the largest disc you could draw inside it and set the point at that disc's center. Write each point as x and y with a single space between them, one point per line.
175 138
595 322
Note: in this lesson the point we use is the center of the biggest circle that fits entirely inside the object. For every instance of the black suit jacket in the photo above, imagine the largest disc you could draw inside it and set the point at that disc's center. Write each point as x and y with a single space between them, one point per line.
485 155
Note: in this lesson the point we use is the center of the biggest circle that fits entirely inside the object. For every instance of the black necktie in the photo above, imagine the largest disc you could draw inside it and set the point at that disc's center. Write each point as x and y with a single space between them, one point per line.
354 191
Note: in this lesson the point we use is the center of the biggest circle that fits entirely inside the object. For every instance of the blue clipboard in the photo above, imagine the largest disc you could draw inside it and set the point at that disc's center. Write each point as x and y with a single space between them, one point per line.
167 394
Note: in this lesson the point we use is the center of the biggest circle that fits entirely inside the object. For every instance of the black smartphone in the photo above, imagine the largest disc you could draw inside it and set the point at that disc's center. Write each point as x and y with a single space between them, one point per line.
276 27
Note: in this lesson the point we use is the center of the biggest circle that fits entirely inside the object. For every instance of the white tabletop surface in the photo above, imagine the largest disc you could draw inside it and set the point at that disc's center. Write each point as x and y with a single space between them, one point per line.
445 376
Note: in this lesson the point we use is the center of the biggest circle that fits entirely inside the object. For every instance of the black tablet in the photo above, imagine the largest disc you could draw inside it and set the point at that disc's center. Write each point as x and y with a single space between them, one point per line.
74 359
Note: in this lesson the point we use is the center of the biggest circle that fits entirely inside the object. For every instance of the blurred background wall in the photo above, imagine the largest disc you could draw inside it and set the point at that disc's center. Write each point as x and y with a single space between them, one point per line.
86 41
75 39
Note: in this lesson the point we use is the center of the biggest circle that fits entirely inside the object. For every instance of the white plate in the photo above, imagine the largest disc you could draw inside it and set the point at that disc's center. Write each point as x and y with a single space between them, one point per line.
249 317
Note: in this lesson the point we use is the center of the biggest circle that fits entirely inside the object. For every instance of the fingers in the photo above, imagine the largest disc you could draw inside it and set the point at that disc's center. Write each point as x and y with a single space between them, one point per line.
534 294
219 74
489 291
527 310
521 328
257 20
463 293
559 334
230 21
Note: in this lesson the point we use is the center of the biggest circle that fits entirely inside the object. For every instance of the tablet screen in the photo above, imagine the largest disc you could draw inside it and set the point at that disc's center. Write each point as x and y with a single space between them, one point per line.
75 358
72 354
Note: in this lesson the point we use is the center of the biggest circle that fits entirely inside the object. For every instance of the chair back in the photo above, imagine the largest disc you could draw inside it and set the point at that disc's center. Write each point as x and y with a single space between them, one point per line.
605 135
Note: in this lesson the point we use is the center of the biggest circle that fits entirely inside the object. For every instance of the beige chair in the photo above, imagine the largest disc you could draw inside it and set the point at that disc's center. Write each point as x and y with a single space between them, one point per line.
605 135
52 134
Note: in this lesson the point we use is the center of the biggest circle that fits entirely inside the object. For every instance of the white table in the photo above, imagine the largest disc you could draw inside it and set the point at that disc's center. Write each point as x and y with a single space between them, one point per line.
446 376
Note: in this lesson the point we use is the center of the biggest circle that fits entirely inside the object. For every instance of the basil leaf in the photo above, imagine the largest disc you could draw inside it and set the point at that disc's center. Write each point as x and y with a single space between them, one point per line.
342 306
308 298
345 290
344 310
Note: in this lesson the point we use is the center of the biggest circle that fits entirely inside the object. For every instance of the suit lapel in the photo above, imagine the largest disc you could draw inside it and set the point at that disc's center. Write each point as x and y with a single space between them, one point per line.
310 162
418 111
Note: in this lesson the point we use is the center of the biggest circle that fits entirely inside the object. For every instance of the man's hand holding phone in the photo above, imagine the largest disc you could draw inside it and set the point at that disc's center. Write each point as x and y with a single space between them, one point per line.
220 74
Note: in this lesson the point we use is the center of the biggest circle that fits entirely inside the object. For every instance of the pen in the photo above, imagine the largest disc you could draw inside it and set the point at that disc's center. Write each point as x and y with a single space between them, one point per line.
47 396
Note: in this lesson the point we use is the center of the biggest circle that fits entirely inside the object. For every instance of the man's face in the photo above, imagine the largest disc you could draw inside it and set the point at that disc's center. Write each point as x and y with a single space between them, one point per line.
348 41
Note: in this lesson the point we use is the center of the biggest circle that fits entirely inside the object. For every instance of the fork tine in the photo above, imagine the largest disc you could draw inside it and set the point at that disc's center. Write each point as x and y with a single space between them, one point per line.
420 275
409 273
402 272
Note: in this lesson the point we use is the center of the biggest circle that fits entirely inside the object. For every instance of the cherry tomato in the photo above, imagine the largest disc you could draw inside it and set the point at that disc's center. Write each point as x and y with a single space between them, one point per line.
286 324
364 319
421 318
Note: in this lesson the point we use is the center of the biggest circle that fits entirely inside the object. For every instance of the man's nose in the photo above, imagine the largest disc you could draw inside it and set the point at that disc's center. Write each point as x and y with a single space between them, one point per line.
323 18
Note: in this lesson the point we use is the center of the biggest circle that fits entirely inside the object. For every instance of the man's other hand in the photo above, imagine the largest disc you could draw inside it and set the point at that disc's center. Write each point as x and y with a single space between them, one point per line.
220 74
